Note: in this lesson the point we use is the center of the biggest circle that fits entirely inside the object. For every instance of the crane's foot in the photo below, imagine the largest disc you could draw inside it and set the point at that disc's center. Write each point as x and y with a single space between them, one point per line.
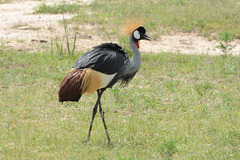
86 141
109 142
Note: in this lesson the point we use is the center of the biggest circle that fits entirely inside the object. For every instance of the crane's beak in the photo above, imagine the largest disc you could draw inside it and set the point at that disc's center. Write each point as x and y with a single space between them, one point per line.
146 37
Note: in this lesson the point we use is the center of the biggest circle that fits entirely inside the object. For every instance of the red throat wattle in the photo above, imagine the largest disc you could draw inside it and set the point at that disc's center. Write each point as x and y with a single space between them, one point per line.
137 44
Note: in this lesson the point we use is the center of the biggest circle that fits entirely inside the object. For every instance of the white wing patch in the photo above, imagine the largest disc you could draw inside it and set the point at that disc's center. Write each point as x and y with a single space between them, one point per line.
106 79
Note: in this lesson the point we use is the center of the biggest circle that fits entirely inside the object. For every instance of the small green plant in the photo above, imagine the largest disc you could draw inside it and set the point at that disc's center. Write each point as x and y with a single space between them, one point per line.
225 42
3 46
202 24
58 44
59 47
202 88
168 149
70 51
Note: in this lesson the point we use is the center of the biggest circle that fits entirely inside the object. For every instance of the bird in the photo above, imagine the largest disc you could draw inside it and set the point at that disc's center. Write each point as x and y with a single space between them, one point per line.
101 68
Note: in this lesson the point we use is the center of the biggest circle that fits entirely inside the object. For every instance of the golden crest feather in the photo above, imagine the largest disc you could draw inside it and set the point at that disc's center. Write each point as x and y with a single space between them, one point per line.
130 25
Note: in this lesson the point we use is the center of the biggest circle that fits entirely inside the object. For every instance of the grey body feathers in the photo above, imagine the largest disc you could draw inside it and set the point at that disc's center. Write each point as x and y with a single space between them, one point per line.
110 58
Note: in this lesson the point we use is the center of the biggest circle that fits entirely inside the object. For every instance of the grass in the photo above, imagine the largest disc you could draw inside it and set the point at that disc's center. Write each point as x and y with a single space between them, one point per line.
57 8
176 107
187 107
203 17
5 1
225 39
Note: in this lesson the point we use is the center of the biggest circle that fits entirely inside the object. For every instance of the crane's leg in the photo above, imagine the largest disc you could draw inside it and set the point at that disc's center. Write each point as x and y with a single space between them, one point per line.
93 115
102 115
99 92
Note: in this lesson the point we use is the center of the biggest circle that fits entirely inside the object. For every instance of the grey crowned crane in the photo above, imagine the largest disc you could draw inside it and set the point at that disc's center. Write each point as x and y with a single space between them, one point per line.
100 69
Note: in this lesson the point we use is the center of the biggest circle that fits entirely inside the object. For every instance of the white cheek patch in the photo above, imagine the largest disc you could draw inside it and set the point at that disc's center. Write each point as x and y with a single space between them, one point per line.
136 35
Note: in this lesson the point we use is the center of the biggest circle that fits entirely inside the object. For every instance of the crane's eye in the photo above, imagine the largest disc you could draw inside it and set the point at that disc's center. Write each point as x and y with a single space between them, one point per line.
136 34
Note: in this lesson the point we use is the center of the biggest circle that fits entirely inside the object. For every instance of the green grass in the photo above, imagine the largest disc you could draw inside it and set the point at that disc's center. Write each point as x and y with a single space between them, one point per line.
57 8
5 1
177 106
201 16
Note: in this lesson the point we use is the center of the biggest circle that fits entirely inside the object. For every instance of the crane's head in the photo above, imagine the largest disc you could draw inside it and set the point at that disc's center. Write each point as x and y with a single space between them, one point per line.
139 34
133 27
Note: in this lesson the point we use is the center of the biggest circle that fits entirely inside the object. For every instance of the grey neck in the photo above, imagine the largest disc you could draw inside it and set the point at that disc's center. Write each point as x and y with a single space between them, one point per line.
135 61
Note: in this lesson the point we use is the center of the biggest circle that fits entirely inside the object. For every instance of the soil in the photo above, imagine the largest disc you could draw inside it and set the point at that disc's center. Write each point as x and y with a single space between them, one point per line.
20 29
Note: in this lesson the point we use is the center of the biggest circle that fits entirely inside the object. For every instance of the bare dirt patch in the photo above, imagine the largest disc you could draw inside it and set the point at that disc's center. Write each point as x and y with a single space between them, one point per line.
20 29
187 43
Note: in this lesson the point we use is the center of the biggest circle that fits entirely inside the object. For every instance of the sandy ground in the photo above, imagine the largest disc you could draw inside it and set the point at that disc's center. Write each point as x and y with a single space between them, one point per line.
20 29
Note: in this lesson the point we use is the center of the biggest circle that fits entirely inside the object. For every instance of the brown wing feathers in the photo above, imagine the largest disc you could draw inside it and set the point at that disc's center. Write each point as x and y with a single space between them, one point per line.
70 87
78 82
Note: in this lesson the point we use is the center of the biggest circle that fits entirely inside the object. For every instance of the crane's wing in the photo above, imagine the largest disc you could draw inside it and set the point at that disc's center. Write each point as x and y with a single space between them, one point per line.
106 58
